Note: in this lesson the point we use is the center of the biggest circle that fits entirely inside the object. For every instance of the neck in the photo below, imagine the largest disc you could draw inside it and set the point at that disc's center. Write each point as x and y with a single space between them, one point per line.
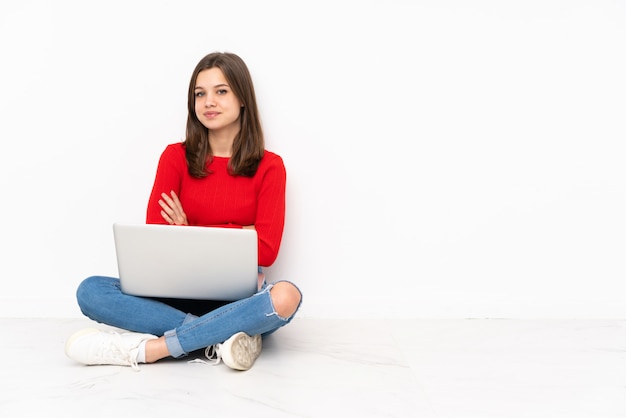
221 143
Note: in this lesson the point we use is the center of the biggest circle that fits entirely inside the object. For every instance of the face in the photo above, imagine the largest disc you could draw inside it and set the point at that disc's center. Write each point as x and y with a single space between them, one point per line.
216 105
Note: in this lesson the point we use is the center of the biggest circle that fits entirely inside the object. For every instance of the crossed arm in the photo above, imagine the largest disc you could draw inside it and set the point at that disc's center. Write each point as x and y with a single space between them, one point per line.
173 213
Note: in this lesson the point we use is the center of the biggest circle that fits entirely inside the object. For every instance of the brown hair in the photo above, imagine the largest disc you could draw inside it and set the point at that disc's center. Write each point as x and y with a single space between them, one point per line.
249 144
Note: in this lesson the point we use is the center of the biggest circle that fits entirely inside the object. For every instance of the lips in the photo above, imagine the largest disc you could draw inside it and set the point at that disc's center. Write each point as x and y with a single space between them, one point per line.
210 115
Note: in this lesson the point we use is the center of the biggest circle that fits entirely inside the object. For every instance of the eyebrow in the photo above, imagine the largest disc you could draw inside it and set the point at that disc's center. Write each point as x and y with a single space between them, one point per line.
215 86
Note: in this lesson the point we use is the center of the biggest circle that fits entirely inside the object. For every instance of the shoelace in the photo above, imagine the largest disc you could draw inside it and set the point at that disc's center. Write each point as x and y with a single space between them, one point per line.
212 353
133 359
113 352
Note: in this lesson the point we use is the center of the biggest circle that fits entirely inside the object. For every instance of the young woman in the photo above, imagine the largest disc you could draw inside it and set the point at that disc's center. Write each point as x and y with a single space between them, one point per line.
220 175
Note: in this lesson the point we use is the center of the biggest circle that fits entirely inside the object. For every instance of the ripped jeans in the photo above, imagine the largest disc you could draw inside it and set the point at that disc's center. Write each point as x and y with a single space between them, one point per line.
101 299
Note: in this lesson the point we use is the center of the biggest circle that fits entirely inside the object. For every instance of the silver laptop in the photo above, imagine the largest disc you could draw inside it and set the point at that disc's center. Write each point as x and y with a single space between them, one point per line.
186 262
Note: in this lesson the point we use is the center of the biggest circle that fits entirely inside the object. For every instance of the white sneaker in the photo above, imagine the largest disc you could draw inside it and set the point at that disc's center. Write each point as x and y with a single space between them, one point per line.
92 347
239 352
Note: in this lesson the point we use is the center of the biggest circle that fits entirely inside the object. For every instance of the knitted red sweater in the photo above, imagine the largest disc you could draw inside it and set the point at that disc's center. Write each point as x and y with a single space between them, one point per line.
223 200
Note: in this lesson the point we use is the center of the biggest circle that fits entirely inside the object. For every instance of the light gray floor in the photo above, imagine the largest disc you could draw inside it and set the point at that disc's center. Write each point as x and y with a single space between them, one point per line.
338 368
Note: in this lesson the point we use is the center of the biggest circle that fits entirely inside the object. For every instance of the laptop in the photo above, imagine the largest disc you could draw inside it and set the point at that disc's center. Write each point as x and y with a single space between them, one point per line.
186 262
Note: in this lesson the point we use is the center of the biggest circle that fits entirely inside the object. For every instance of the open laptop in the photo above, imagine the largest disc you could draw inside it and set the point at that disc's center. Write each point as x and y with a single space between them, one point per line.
186 262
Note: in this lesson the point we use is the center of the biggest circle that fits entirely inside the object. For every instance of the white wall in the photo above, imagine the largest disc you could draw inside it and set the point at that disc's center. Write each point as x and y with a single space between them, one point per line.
445 158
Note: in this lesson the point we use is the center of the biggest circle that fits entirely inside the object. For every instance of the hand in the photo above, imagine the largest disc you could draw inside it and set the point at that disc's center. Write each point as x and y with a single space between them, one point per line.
172 212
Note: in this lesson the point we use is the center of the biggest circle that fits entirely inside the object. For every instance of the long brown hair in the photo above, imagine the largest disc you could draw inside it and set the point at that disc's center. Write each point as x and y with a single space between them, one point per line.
249 144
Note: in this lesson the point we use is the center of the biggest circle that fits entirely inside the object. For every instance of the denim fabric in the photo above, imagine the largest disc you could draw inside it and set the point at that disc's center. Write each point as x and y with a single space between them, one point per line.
101 299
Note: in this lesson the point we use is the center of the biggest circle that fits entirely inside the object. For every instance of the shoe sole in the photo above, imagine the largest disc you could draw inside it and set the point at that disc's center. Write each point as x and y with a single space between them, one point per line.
241 351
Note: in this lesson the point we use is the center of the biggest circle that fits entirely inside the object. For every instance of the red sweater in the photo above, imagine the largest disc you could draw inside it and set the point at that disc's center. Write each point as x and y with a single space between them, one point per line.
223 200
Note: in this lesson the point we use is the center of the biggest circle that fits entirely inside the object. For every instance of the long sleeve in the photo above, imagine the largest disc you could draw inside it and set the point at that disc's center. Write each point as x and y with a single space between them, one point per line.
270 218
170 172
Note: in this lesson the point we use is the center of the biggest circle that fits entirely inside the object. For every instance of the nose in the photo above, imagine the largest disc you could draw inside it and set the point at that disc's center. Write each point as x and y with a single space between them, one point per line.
209 100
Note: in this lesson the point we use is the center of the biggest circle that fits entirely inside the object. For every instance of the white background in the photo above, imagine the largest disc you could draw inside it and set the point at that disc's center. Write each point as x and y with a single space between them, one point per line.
445 158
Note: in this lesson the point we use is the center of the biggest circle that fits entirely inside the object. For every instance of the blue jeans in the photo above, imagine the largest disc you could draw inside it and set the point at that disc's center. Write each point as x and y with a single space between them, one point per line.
101 299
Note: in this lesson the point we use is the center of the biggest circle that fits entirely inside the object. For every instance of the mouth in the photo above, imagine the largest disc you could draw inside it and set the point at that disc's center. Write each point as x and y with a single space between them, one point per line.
210 115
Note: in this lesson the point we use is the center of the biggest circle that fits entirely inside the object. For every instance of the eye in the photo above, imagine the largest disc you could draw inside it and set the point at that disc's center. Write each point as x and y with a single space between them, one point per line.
199 93
222 92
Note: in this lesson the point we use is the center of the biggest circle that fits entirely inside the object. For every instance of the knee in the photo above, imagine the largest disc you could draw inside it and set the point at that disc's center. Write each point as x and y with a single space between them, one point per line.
90 292
286 298
84 292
